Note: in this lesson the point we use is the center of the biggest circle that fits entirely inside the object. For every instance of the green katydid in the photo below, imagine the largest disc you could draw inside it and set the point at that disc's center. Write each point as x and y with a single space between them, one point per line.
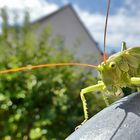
119 70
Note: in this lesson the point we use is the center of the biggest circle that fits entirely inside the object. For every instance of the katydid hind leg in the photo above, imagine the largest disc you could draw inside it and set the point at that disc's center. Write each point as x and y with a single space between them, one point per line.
138 89
135 81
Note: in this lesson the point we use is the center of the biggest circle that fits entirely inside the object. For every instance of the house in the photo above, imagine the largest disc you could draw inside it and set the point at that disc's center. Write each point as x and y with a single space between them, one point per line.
66 23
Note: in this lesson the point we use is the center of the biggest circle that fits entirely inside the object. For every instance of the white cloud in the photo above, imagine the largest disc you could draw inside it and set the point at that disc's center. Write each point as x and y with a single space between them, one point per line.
131 7
121 27
65 2
36 8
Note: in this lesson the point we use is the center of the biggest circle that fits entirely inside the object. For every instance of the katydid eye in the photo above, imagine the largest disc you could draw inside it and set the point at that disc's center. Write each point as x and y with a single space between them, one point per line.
112 65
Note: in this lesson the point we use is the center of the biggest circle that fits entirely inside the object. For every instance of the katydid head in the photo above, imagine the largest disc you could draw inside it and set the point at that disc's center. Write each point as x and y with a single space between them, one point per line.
109 74
114 72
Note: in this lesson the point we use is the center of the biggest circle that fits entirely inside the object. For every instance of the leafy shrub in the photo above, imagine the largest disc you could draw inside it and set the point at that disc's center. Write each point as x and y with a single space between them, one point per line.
40 103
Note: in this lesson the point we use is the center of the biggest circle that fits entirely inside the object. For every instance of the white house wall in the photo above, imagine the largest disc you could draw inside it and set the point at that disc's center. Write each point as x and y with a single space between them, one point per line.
66 24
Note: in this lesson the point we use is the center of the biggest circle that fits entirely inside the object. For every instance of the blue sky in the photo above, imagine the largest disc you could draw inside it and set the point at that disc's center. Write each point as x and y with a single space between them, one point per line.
92 5
123 25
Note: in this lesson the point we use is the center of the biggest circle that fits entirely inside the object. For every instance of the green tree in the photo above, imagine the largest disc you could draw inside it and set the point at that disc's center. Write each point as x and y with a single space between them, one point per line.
40 103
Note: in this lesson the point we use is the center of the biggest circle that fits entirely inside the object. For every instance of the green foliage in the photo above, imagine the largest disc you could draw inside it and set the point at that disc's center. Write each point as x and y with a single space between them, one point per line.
41 103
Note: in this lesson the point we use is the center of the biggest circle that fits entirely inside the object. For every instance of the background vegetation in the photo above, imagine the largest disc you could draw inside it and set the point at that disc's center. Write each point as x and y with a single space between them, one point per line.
41 103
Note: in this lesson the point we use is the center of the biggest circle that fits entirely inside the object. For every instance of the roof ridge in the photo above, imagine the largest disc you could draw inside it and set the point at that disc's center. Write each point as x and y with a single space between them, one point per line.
52 14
